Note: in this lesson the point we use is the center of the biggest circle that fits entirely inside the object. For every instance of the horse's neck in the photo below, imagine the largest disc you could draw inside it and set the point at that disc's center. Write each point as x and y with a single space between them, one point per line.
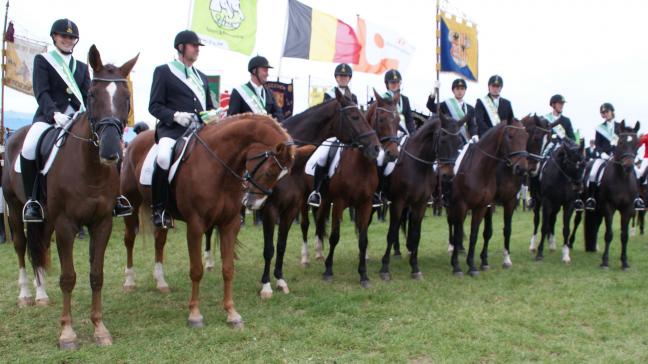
314 127
87 151
487 159
422 145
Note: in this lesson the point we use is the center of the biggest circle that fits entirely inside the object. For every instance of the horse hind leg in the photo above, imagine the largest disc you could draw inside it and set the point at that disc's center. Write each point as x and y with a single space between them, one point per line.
268 251
624 241
65 233
284 227
99 236
207 254
304 224
25 297
131 223
158 269
567 212
487 235
608 239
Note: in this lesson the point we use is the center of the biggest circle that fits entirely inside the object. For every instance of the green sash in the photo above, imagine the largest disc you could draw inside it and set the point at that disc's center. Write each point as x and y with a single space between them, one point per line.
66 74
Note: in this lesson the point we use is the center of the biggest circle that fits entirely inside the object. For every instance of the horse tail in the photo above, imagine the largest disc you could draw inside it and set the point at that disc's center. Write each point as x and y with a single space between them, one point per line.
37 245
592 222
404 220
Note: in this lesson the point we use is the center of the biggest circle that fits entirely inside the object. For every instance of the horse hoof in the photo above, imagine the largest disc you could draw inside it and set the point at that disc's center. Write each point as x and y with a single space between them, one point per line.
625 269
265 295
462 251
305 264
209 268
473 272
417 276
129 289
398 256
365 284
566 261
507 265
68 345
458 274
164 289
103 340
385 276
604 266
319 257
42 302
196 324
25 301
539 258
328 278
237 324
485 268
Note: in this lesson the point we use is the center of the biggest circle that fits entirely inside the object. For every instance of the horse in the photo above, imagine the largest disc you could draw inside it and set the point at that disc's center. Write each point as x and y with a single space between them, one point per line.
248 149
560 185
509 184
81 187
474 187
617 190
414 179
354 184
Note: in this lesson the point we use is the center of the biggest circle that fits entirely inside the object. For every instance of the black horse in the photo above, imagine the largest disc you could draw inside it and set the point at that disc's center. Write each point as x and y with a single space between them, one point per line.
617 191
560 185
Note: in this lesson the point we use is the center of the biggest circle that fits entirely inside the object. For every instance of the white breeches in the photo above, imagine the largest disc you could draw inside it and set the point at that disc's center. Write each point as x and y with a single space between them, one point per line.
319 156
165 149
642 167
34 133
595 167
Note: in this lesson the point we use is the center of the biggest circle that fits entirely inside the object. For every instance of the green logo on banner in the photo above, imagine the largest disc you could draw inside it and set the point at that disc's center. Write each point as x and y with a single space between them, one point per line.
229 24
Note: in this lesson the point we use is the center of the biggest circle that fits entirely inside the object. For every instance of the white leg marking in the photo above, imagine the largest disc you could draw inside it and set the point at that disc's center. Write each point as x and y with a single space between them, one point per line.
318 249
552 242
507 259
129 283
533 246
266 290
158 274
209 260
41 295
565 255
23 284
304 254
283 285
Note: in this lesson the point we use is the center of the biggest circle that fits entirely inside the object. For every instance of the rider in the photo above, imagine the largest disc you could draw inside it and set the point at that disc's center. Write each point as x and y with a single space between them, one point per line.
342 74
179 95
641 171
253 96
491 109
606 140
457 108
61 86
393 81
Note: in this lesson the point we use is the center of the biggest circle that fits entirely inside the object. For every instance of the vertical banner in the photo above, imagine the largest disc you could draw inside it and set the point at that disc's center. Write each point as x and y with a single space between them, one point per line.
228 24
316 95
382 49
283 95
20 63
459 52
131 112
214 89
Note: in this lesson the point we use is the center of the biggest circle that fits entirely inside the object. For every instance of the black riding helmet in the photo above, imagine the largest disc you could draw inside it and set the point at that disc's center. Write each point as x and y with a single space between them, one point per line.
258 61
186 37
496 80
140 127
556 98
459 82
65 27
607 107
393 76
343 69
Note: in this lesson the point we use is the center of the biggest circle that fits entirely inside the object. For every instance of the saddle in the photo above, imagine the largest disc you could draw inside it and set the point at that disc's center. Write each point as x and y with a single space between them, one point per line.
181 152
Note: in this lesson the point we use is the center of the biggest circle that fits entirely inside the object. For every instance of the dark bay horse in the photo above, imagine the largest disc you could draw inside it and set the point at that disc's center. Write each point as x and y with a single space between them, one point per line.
207 190
354 184
340 118
509 183
617 190
414 179
80 191
560 185
474 187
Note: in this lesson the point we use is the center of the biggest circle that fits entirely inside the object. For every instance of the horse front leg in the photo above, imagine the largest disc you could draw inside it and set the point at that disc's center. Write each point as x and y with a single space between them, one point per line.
320 228
458 217
208 253
547 207
25 297
285 223
609 214
536 222
334 238
363 215
568 210
130 233
269 218
304 223
414 238
577 219
228 234
99 236
487 234
65 233
395 210
509 209
158 269
195 231
625 217
477 217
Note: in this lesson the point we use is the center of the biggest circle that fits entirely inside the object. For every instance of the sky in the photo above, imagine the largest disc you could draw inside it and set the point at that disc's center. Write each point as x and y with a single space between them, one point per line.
589 51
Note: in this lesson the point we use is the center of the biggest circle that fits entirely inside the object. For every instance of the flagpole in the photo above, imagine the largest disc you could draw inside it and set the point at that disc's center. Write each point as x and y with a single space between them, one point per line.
438 53
4 41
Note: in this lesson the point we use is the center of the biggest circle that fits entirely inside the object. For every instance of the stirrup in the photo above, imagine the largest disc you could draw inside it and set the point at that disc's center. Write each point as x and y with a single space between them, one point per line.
312 196
376 200
639 204
590 204
163 218
40 207
127 208
579 205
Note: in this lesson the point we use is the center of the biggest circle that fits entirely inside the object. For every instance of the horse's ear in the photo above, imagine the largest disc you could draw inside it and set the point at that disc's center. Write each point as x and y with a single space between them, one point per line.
126 68
94 59
618 127
637 126
379 98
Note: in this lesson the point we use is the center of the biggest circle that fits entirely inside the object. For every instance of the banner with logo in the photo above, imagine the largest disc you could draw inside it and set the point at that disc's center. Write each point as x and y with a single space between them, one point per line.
459 52
228 24
316 95
382 49
20 62
213 82
283 95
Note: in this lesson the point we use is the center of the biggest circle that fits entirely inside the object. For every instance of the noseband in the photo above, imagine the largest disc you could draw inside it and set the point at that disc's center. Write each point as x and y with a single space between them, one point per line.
355 140
390 138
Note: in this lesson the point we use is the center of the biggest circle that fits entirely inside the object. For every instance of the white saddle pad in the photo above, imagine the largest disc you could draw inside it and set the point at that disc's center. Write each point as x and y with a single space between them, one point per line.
460 157
389 168
146 175
53 153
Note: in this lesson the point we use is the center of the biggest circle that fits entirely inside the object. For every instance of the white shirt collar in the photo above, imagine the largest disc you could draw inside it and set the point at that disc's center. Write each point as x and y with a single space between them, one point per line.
66 57
258 89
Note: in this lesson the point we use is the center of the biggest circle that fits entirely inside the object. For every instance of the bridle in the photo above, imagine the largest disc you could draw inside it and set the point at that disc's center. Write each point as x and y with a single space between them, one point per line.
390 138
508 158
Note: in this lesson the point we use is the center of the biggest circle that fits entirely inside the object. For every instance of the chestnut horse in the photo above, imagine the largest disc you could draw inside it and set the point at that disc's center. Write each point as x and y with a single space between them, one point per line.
207 191
474 187
80 191
414 179
354 184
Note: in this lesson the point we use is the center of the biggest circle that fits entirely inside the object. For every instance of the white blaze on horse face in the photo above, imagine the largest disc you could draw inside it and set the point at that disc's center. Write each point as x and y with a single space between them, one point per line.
112 89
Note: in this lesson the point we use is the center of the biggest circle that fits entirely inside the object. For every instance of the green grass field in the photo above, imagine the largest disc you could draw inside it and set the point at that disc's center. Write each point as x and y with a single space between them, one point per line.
534 312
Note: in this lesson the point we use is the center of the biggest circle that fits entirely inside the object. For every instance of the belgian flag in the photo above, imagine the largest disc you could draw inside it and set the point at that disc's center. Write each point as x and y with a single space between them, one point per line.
318 36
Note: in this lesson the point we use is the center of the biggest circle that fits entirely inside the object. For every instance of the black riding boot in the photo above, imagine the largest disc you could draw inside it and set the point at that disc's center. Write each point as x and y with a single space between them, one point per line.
160 196
315 198
379 195
33 210
3 235
592 189
446 190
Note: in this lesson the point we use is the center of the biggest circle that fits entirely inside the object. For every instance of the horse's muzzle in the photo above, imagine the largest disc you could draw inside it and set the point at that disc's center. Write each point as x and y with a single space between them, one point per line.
371 151
253 201
519 170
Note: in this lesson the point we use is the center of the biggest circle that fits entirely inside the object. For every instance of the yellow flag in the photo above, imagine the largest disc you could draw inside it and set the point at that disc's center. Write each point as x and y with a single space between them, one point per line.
131 112
316 95
20 63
